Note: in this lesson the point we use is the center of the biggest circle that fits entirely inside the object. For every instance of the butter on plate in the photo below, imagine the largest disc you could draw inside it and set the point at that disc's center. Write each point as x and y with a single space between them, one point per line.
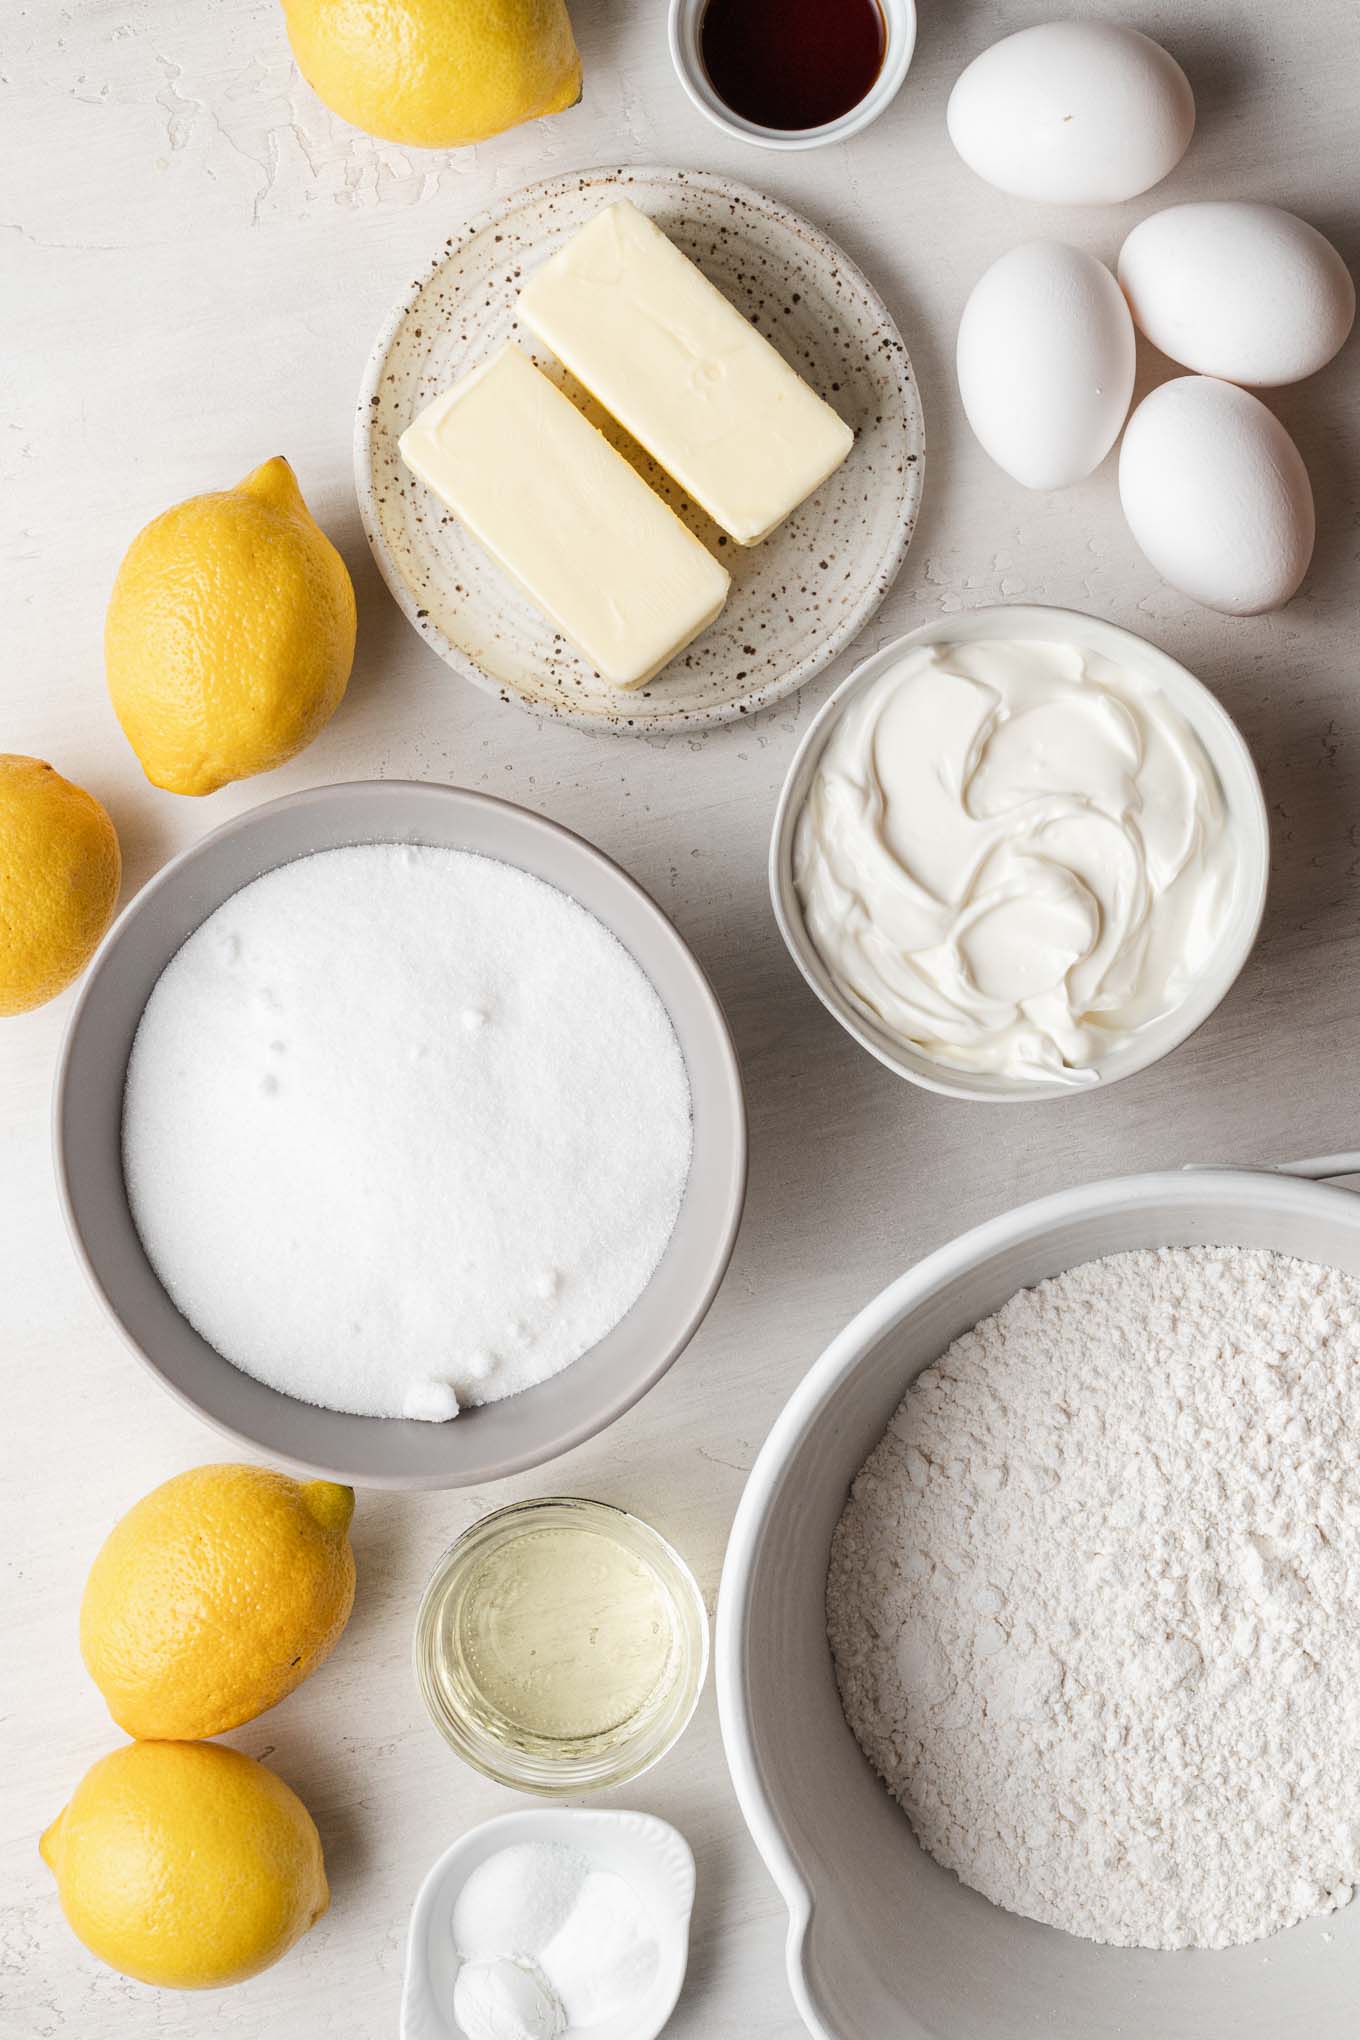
566 517
693 381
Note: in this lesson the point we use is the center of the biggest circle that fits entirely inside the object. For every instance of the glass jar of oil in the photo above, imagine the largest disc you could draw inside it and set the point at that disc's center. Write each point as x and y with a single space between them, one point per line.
561 1645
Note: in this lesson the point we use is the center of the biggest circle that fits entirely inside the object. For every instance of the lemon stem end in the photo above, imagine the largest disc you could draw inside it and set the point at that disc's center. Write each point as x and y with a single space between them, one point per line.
331 1504
49 1842
273 482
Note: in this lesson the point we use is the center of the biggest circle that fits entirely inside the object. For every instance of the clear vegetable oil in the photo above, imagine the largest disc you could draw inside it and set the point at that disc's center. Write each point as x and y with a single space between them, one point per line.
555 1634
563 1634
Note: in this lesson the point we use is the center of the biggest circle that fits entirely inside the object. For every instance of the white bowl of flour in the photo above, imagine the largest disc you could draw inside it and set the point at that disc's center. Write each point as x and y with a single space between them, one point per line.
401 1134
1098 1630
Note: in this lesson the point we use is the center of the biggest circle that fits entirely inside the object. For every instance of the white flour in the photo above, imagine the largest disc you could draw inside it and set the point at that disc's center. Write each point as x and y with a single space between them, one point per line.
1095 1600
405 1130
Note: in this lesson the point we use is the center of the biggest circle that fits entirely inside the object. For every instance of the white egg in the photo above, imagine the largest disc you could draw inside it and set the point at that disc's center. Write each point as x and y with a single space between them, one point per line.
1216 495
1246 292
1045 363
1073 113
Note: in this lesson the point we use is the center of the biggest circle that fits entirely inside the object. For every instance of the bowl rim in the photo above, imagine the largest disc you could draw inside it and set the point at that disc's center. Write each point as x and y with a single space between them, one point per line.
659 1358
1032 621
900 25
1303 1188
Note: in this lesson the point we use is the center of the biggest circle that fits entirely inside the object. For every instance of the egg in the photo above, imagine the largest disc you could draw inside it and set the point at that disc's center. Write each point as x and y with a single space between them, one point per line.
1216 495
1073 113
1045 363
1246 292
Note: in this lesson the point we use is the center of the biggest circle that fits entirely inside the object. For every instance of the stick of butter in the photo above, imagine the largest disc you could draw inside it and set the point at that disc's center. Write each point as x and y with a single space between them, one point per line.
691 379
565 517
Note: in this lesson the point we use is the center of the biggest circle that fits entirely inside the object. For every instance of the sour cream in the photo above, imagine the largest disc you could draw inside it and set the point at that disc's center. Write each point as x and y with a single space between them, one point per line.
1015 856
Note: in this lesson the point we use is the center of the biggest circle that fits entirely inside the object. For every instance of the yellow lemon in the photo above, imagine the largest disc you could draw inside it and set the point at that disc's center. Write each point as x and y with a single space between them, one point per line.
186 1864
215 1596
230 634
59 874
436 74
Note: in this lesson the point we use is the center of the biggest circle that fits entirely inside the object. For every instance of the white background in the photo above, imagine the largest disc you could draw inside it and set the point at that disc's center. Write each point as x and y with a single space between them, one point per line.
196 258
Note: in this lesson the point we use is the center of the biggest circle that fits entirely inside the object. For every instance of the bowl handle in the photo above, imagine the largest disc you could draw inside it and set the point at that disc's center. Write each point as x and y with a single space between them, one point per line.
1318 1169
1322 1168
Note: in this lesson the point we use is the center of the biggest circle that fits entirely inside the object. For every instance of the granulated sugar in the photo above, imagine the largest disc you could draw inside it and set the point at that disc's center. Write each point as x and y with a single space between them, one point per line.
405 1129
1095 1601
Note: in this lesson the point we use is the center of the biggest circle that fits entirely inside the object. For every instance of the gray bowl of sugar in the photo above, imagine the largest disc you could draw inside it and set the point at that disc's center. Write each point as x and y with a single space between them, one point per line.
118 1151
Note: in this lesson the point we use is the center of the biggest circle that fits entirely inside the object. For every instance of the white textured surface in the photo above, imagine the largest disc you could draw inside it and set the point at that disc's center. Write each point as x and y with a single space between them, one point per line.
196 260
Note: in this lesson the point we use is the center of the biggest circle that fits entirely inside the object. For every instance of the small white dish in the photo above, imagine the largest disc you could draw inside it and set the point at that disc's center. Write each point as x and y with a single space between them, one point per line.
1227 753
686 16
649 1854
797 599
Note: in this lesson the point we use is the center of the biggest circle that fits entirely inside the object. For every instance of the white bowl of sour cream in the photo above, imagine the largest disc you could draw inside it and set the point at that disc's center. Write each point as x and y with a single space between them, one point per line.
1020 852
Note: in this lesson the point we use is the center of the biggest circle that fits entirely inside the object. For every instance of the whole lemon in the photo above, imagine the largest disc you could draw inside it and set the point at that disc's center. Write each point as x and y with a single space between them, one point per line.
186 1864
230 634
436 74
215 1596
59 873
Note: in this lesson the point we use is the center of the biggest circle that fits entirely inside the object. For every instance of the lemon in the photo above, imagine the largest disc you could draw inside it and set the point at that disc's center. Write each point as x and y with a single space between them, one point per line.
59 874
230 634
186 1864
436 74
215 1596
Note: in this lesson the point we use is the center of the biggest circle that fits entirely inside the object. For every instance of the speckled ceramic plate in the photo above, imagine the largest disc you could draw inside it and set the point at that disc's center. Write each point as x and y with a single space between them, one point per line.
796 600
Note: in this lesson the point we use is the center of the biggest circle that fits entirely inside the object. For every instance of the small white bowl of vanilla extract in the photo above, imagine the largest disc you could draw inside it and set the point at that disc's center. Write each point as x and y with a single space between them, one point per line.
792 74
